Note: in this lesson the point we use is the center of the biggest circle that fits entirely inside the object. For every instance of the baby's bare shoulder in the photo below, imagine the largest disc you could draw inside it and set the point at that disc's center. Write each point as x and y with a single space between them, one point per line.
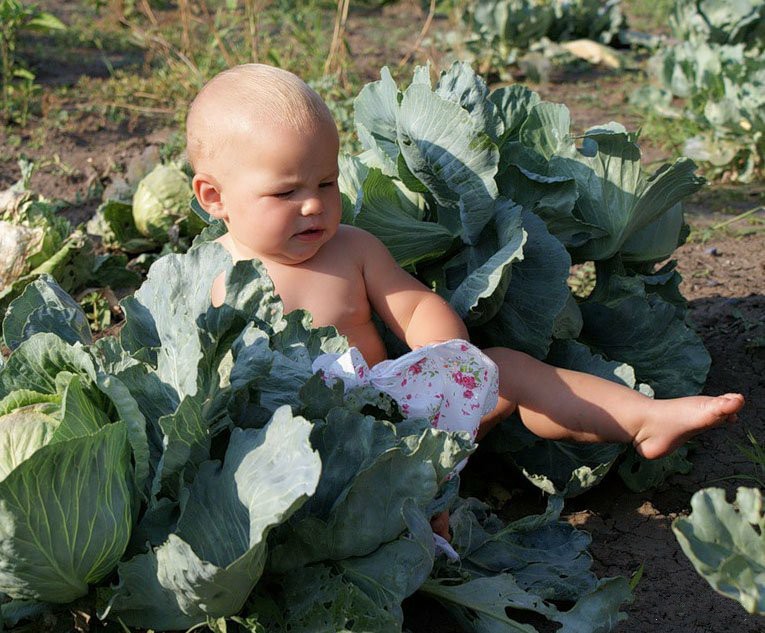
357 241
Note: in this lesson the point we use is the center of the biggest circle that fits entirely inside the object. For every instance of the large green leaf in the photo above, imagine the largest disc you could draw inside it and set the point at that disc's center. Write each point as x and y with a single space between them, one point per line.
625 321
348 443
386 211
367 510
545 555
127 409
487 605
66 512
461 84
536 294
482 604
317 599
368 514
165 313
45 307
726 543
173 319
513 104
484 271
528 565
397 569
376 110
615 195
210 565
36 363
81 414
456 162
547 131
294 347
553 198
186 446
657 241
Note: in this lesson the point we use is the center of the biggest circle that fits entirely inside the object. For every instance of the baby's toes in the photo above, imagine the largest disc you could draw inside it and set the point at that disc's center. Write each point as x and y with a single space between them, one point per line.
729 405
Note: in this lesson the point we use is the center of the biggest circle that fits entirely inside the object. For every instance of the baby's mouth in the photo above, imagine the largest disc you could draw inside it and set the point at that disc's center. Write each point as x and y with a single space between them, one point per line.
309 234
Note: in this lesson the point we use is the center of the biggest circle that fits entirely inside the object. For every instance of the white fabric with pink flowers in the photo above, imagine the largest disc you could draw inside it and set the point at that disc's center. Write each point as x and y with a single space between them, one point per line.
452 384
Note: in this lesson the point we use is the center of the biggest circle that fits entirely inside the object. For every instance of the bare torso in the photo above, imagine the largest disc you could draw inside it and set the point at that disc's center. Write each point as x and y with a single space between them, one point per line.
331 287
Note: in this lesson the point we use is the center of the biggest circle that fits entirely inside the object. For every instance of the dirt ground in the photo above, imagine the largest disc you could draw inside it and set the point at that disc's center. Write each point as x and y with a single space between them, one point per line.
724 281
725 284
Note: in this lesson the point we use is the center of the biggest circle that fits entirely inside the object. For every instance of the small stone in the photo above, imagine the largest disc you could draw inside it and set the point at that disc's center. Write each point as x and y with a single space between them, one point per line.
712 251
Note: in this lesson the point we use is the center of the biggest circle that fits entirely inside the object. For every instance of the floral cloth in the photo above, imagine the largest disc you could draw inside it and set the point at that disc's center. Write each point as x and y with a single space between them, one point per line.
452 384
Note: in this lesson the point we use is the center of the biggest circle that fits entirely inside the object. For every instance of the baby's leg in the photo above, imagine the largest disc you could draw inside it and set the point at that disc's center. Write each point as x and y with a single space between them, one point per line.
562 404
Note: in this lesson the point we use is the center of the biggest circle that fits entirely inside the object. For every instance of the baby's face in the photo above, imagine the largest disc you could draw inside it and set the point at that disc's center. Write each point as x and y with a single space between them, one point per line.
280 197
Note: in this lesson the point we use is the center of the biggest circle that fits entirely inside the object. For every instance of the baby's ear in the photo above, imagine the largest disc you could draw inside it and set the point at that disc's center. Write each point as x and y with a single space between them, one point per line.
207 191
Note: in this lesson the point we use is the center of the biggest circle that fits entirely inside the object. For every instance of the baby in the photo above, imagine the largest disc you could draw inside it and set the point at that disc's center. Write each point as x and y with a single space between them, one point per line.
264 149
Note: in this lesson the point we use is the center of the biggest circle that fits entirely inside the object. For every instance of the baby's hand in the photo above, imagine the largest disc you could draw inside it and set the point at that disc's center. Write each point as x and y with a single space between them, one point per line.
440 525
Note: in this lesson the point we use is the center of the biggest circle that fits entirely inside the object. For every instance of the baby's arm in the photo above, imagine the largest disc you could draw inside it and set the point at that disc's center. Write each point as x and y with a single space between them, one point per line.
415 314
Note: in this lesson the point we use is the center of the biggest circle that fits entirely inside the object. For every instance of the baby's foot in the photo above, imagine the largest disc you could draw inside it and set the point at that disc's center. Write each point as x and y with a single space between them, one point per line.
672 422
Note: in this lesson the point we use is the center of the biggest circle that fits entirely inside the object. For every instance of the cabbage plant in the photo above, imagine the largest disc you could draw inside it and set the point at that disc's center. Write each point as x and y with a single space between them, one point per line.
719 22
36 240
262 493
161 203
489 198
156 216
68 487
725 541
504 28
259 491
717 67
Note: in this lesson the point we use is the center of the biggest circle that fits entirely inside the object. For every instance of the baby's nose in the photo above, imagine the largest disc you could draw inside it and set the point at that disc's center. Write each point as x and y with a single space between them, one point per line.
312 205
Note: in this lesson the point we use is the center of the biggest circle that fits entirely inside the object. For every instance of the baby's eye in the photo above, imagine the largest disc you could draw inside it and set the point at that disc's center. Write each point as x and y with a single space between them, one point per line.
327 184
284 194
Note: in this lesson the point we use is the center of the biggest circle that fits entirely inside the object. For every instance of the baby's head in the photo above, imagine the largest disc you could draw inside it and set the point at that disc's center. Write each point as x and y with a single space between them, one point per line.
264 149
245 100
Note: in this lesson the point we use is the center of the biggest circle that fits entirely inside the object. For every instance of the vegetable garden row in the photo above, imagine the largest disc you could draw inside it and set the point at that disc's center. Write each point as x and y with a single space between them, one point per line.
188 469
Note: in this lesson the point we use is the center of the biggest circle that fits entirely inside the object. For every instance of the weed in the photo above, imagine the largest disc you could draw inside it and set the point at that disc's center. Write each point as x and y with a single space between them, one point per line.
285 33
754 452
650 16
340 103
16 16
97 310
755 223
668 134
173 147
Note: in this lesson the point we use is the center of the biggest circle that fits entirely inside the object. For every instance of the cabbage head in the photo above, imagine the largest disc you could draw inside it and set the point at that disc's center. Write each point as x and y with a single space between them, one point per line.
30 234
161 205
67 484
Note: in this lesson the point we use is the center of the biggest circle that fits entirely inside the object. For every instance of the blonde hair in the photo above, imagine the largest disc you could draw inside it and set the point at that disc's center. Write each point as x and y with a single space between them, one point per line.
250 94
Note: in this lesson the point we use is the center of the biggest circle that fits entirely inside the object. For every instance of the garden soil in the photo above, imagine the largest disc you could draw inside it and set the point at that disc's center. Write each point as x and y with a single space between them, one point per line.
724 280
